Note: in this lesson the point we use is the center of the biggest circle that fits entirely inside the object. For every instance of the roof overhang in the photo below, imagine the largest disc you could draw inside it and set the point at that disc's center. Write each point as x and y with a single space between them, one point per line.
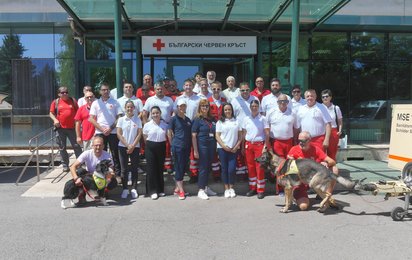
181 16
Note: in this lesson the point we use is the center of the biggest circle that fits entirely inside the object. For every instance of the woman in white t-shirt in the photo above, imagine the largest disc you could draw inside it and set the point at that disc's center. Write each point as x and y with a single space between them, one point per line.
129 132
154 134
229 140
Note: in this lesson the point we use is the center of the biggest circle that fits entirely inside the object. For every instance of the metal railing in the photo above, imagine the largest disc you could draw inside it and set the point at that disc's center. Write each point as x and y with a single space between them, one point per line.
49 137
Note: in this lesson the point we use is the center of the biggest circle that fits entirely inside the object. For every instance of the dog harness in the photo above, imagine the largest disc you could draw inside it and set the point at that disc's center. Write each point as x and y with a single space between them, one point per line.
287 167
100 182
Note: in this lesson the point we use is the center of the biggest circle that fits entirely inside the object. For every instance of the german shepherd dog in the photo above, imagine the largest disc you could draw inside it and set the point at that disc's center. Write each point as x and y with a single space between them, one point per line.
95 183
291 173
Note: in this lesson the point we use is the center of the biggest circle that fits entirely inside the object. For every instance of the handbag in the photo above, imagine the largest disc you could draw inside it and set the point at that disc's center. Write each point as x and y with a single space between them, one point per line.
343 133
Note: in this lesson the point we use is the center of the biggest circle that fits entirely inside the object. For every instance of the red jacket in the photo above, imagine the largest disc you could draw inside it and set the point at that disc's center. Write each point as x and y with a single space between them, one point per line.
214 110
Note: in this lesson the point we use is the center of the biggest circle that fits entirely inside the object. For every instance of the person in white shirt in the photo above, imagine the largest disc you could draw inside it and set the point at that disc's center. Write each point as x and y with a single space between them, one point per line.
129 132
211 77
204 89
241 104
229 140
241 108
232 91
315 119
82 101
297 99
159 99
197 77
255 135
283 130
155 135
128 91
191 99
269 102
104 113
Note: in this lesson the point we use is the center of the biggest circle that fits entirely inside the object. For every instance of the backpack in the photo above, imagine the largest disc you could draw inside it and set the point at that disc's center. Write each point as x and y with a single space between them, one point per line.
56 105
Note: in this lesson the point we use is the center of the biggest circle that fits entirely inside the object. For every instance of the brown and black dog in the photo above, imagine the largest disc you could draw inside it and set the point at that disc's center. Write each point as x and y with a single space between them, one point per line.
291 173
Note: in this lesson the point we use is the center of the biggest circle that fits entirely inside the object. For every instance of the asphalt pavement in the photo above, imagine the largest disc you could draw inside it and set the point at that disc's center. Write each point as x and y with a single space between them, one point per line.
240 228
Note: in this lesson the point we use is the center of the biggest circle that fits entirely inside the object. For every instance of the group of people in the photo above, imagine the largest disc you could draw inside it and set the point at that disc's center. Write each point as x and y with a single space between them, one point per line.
210 130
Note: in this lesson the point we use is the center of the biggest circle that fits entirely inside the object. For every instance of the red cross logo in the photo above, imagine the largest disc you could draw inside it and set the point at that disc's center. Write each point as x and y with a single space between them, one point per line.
158 45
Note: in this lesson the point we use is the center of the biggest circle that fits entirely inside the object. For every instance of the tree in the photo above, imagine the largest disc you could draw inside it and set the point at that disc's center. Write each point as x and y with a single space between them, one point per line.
12 48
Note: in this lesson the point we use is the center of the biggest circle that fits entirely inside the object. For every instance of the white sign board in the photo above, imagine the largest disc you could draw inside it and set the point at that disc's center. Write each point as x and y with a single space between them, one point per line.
199 45
400 149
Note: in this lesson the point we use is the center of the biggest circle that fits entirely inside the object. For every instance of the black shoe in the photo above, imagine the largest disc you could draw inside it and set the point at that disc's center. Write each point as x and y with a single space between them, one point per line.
318 198
251 193
335 206
261 195
193 180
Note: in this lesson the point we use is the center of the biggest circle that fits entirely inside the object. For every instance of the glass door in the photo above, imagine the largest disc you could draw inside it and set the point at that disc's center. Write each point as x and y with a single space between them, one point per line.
182 70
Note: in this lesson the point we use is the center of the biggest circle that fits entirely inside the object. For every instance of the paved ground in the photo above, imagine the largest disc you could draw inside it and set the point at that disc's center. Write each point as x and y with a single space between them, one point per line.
240 228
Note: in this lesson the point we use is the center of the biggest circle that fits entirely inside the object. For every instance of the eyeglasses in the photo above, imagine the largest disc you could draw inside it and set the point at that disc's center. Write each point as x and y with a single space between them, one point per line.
283 101
325 96
216 89
64 93
244 90
296 91
204 106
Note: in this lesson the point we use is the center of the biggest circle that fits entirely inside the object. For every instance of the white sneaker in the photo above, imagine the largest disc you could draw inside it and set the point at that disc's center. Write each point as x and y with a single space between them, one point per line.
232 193
202 195
227 194
125 193
210 192
134 193
154 196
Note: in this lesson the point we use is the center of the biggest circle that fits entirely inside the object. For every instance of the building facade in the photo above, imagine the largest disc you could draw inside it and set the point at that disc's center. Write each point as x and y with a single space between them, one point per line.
363 53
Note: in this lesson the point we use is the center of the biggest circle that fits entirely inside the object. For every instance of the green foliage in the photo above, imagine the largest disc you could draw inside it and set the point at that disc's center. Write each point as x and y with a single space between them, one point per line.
11 48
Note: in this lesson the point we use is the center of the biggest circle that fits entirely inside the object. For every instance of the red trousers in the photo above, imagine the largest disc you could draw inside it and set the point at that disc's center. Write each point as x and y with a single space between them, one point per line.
256 172
194 168
333 144
281 148
318 141
240 164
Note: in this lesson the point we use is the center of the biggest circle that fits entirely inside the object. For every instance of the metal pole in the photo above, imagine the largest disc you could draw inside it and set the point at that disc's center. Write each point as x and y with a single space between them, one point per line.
294 45
139 62
118 45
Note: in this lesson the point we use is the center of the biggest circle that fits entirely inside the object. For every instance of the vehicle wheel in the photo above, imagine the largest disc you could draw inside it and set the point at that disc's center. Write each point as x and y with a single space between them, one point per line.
407 170
398 214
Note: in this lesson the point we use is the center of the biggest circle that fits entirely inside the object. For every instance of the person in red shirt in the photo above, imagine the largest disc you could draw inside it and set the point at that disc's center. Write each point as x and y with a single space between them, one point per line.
84 129
147 80
309 151
260 90
216 101
173 91
62 115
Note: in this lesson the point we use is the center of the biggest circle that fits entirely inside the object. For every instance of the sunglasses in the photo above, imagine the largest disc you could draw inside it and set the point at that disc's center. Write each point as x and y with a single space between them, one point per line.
302 142
326 96
296 91
244 90
64 93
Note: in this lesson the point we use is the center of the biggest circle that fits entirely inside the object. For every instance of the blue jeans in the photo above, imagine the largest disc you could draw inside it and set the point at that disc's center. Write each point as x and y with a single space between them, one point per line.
180 161
228 164
206 153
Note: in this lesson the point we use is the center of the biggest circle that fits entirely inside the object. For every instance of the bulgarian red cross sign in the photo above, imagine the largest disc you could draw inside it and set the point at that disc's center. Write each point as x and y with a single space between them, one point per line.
158 44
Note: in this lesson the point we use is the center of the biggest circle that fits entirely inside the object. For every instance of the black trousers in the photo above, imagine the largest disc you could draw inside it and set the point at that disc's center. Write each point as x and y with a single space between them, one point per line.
155 157
124 163
113 142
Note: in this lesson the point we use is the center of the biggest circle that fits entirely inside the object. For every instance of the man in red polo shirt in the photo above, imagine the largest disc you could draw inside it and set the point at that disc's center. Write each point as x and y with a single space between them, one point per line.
260 90
147 80
85 129
62 115
305 149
